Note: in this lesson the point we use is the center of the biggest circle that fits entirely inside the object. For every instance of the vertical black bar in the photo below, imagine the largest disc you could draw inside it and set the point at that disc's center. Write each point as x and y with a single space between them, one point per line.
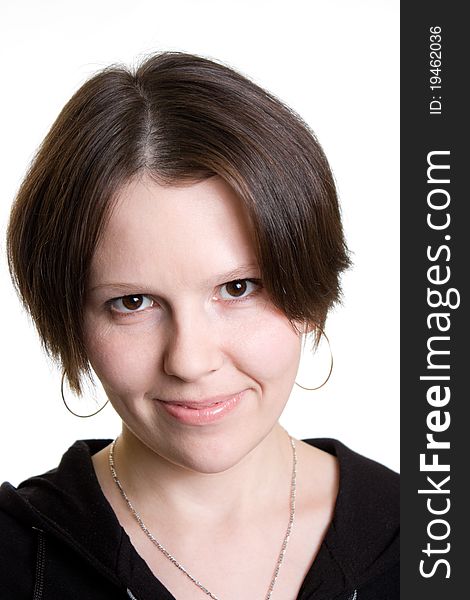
435 259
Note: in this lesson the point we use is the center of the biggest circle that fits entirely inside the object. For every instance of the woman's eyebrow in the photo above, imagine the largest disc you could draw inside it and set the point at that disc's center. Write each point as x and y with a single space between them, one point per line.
117 285
226 276
234 274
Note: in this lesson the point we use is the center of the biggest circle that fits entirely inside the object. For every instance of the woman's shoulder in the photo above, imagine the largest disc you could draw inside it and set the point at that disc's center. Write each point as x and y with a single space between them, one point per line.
362 542
74 473
48 521
368 493
362 480
48 492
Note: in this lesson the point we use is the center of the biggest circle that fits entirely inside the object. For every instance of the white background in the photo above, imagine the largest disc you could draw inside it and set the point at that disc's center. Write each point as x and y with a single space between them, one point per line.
336 63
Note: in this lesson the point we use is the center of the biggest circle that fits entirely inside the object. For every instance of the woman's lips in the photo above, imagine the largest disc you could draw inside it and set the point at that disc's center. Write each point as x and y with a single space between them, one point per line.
204 411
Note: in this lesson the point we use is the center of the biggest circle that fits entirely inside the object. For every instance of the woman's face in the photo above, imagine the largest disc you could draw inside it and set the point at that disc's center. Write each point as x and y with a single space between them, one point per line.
191 352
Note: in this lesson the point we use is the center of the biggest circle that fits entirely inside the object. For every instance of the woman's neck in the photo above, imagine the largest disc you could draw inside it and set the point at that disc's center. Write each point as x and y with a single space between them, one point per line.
238 493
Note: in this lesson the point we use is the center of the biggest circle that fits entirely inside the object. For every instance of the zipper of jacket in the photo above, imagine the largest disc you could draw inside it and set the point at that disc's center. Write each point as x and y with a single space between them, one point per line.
40 565
353 596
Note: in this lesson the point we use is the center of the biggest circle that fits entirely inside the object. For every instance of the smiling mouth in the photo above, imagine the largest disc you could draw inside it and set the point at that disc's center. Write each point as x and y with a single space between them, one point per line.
202 412
200 404
196 406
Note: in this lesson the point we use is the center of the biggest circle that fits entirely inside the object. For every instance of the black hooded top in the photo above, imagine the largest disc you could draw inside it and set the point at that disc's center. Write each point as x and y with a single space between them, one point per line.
60 539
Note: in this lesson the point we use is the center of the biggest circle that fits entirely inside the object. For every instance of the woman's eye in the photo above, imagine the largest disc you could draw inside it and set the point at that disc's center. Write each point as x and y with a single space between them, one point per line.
240 288
131 303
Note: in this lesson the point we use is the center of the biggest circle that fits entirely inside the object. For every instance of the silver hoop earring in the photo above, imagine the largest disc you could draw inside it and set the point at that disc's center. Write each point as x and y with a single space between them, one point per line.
68 407
309 389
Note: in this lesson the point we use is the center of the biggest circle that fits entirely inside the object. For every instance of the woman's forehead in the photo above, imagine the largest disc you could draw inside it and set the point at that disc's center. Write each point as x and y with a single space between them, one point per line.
201 226
146 204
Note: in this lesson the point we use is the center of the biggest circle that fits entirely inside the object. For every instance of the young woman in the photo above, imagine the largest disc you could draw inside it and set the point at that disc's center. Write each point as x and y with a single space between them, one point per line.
179 233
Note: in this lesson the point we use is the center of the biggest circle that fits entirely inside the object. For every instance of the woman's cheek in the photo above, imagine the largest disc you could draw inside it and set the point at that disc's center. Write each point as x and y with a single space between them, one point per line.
123 363
272 351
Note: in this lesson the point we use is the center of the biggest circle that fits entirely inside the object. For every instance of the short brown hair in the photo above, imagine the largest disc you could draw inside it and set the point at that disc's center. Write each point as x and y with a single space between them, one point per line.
179 117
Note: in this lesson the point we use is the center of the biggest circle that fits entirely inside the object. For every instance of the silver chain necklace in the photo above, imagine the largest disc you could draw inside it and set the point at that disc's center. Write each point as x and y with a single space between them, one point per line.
172 559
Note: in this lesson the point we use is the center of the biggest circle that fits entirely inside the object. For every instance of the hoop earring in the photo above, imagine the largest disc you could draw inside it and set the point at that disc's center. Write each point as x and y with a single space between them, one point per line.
329 372
68 407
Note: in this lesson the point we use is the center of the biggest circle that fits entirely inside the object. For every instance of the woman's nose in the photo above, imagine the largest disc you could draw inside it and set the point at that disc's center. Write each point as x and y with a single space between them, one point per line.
193 349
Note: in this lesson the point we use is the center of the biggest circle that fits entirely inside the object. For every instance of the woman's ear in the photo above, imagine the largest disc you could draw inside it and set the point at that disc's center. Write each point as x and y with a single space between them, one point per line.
304 327
308 327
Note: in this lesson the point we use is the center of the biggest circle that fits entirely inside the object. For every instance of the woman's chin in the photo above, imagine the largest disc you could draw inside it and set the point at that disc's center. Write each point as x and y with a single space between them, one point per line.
209 449
211 455
211 459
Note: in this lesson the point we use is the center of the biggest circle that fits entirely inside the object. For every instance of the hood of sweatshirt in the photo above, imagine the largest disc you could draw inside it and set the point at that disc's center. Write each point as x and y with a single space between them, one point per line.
67 504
